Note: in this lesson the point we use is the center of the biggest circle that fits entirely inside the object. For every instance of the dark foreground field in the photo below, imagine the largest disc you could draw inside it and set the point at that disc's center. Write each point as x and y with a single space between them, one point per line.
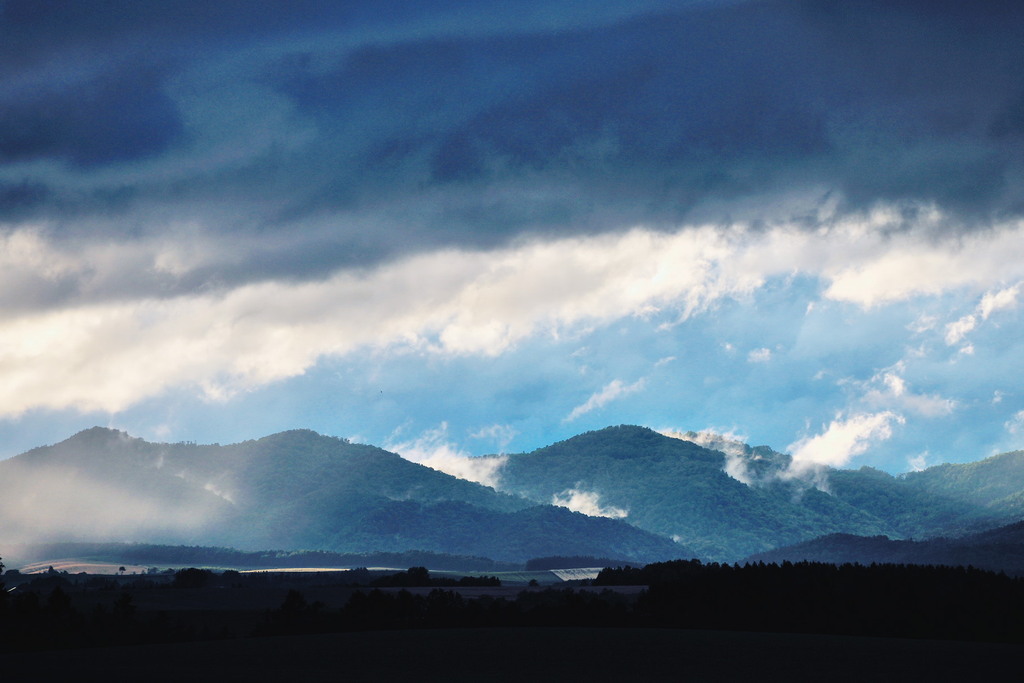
528 654
679 620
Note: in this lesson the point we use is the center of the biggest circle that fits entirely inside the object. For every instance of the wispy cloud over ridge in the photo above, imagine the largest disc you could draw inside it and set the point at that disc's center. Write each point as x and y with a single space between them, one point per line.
435 449
732 446
587 502
843 439
612 391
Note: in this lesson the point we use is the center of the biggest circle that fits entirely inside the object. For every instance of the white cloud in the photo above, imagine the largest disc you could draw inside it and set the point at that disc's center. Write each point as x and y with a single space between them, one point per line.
587 502
918 462
1015 425
841 441
884 267
890 390
119 326
923 324
611 391
956 331
113 352
996 301
434 450
991 302
500 434
26 253
759 356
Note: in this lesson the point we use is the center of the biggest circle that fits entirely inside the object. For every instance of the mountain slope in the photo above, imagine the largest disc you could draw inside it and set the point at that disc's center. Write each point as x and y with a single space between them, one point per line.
918 507
995 484
728 500
295 490
677 488
300 490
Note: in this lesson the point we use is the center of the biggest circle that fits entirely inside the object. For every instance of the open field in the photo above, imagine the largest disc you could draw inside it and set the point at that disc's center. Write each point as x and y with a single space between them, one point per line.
300 570
555 654
76 566
521 578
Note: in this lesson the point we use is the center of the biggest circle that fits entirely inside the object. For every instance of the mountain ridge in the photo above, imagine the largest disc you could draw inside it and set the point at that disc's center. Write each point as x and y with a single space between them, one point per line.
649 496
295 489
734 500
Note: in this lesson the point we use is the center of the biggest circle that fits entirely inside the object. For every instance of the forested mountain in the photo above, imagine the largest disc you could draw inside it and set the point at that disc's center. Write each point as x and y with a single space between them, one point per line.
680 489
919 507
950 499
995 483
646 496
294 490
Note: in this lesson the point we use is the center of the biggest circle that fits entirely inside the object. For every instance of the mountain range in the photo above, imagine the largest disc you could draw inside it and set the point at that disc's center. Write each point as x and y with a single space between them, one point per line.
293 490
648 496
727 500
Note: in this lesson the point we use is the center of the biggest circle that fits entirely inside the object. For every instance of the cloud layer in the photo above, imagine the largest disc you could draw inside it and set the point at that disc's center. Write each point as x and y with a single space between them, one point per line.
109 355
511 218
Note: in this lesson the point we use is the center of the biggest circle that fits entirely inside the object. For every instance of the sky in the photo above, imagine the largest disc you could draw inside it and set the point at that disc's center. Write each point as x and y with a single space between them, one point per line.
463 228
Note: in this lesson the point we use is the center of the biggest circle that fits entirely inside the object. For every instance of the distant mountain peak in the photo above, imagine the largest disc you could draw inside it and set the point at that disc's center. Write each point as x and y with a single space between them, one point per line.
300 434
100 433
621 441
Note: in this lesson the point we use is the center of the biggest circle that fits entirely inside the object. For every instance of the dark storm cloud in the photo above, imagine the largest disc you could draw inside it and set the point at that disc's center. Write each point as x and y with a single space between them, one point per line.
41 26
116 117
662 113
375 129
703 92
16 198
